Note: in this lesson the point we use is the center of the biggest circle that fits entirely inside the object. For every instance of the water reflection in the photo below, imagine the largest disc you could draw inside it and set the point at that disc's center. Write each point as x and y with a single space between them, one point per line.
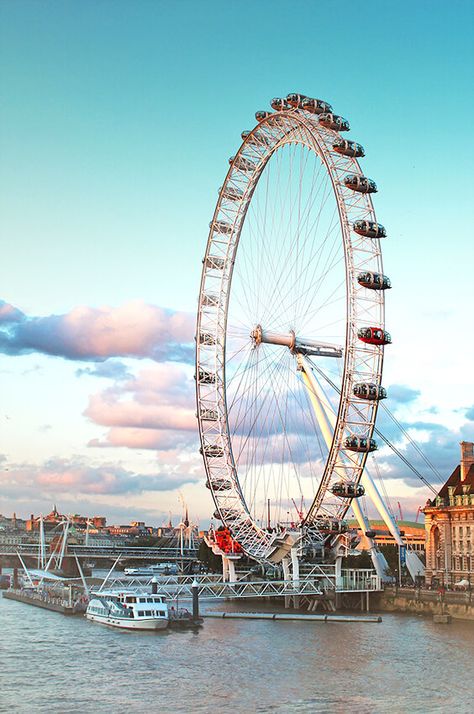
405 664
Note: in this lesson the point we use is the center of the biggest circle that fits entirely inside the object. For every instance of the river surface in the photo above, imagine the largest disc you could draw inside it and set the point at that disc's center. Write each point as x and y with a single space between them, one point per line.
53 663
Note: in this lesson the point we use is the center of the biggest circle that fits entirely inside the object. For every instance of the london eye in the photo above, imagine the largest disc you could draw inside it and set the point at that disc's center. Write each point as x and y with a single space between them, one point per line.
290 331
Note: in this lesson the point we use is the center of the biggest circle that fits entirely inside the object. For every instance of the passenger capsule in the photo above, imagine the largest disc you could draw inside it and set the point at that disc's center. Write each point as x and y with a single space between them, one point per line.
212 450
207 338
208 415
229 514
231 193
206 377
360 444
221 227
331 525
241 163
210 300
369 391
344 489
261 115
219 484
315 106
361 184
348 148
374 281
279 105
334 122
295 100
369 229
374 336
215 262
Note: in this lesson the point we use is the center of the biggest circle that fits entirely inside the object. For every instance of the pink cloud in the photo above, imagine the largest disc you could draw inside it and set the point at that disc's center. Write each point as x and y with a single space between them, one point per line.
77 476
154 410
164 440
135 329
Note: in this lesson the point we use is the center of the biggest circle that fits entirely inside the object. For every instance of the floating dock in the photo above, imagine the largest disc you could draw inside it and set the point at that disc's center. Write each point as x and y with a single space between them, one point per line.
56 605
287 616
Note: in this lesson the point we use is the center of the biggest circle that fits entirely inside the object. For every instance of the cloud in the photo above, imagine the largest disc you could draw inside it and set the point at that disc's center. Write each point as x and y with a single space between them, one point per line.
135 329
402 394
153 410
111 369
8 313
470 413
77 476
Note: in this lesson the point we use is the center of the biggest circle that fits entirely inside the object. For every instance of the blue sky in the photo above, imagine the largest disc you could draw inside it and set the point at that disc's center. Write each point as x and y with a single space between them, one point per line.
116 124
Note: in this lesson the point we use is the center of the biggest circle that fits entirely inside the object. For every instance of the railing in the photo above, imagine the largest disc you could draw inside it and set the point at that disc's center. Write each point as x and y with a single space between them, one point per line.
322 580
99 551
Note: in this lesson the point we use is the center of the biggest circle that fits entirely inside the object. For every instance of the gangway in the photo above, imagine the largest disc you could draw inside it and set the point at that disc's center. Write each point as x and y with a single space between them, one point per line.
319 580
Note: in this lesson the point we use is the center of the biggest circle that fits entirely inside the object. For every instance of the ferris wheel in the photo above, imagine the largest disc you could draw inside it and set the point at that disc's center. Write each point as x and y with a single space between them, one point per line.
290 330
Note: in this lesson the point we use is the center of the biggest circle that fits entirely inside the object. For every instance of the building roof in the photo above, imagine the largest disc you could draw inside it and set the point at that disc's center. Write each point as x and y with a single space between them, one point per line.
410 527
455 480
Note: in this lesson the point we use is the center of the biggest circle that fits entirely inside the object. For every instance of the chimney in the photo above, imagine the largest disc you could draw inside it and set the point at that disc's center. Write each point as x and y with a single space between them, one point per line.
467 458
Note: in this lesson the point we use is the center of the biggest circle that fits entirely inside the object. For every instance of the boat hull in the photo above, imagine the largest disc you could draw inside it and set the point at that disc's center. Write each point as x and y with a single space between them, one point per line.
129 624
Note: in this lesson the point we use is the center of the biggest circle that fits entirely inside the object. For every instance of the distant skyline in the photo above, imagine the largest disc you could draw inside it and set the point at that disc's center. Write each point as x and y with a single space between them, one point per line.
117 122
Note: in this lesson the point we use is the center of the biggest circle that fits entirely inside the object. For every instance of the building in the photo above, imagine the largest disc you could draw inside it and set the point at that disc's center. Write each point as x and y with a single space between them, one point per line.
449 524
54 518
413 534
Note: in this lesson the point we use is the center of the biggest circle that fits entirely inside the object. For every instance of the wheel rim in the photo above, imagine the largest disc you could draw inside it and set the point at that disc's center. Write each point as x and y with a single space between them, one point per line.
242 470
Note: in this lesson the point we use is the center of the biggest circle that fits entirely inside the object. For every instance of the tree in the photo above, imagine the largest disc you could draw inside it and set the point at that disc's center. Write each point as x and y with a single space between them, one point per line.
209 560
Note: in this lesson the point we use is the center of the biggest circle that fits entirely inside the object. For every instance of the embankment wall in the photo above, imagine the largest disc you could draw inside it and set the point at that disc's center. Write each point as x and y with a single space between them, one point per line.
460 605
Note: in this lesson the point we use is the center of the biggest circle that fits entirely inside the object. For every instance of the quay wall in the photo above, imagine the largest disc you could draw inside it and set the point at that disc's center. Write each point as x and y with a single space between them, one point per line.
459 605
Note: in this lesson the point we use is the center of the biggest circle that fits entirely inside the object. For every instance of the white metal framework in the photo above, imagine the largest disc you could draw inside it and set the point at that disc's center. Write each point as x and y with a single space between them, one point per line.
281 298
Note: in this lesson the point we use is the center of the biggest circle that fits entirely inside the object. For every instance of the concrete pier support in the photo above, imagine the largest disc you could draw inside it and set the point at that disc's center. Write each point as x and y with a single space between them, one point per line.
228 570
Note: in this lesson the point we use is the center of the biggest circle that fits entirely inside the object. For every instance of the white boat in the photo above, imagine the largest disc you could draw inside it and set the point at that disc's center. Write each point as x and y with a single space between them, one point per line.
128 609
148 571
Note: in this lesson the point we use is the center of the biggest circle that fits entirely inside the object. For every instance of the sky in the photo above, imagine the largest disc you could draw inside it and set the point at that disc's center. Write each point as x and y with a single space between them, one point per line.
117 120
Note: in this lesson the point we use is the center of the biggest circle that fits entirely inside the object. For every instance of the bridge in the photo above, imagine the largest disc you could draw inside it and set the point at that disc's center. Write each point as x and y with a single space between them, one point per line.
321 581
97 552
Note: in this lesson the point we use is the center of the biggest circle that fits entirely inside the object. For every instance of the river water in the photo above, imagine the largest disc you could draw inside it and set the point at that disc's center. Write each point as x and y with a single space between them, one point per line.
53 663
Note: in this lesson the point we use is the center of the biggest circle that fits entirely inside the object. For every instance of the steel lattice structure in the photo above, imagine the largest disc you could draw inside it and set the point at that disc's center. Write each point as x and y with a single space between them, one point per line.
299 134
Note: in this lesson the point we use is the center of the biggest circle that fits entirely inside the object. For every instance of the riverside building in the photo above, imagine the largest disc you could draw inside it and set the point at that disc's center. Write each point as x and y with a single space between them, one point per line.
449 524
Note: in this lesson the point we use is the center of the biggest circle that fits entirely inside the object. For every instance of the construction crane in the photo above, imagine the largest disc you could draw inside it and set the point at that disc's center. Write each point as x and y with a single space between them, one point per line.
299 510
400 510
420 510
